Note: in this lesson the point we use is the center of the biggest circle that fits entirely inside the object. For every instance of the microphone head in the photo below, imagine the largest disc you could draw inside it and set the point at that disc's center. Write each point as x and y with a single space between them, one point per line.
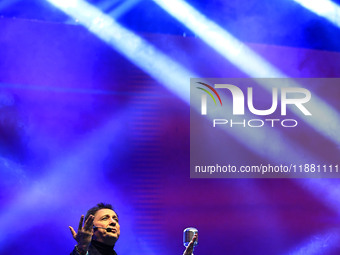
109 229
188 234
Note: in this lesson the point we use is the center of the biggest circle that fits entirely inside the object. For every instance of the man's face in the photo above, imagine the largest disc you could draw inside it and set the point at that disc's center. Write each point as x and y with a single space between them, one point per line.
106 218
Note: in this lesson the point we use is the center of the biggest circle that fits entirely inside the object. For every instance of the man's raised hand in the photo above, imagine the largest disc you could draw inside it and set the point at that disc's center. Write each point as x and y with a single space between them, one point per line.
84 234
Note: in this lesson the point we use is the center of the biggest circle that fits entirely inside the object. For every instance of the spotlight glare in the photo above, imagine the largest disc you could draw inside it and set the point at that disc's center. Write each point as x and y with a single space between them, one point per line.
248 61
219 39
64 3
318 244
323 8
134 48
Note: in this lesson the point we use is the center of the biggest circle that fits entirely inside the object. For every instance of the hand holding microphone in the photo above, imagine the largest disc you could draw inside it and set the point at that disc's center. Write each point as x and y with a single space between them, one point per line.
190 240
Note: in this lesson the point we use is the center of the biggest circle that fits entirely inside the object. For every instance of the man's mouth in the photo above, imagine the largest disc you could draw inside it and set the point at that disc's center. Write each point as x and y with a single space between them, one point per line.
111 230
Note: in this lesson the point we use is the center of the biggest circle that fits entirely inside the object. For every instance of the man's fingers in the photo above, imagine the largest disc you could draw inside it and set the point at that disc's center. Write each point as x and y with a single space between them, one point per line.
88 225
74 234
80 226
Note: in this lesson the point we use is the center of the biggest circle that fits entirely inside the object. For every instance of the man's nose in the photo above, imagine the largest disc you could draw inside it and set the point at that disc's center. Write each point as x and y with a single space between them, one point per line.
113 221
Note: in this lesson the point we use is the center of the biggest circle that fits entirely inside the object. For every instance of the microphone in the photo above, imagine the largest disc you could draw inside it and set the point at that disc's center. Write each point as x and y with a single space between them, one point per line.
188 234
107 229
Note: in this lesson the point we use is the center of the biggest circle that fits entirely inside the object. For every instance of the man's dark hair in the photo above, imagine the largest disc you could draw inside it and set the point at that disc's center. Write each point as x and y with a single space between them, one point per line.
93 210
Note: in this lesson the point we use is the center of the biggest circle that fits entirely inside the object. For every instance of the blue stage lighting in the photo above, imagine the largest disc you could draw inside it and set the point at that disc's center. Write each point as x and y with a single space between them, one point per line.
65 3
328 190
123 8
219 39
323 8
163 68
171 74
137 50
253 139
67 178
318 244
249 62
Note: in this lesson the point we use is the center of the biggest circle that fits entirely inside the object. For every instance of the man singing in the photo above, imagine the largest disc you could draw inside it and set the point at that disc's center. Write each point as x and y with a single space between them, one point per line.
100 232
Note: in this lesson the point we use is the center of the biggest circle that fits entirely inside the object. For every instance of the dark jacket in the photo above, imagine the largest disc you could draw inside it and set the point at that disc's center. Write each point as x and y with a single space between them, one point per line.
97 248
